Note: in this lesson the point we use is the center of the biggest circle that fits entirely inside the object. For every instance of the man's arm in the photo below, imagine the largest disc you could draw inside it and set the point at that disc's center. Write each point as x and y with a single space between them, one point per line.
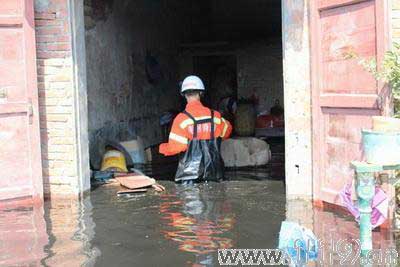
224 126
226 129
178 140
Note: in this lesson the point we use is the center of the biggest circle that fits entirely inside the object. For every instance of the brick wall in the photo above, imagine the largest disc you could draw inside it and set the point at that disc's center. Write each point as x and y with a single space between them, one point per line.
56 99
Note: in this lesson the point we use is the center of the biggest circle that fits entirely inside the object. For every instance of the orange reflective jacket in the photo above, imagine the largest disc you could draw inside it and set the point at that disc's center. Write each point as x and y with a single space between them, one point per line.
182 128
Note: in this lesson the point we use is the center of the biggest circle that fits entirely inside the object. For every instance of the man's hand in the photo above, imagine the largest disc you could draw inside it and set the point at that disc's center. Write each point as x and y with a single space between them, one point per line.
163 149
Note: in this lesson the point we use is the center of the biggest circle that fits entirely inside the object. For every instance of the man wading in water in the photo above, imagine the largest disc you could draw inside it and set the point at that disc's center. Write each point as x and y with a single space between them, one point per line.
197 132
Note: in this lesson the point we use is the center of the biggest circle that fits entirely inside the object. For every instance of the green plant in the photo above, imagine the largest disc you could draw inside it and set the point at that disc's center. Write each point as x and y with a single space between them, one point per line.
388 71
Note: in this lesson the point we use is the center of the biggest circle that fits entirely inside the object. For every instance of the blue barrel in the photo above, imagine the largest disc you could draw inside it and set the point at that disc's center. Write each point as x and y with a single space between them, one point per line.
381 148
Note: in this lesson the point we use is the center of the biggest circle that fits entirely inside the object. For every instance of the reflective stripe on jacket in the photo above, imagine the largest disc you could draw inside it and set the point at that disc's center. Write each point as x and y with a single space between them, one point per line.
182 128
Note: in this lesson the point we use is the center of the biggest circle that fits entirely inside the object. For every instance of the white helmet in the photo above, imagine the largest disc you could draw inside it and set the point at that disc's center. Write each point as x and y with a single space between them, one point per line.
192 83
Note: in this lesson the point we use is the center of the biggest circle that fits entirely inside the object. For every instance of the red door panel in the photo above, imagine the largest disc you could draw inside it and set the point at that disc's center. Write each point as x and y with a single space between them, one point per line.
345 96
20 167
350 28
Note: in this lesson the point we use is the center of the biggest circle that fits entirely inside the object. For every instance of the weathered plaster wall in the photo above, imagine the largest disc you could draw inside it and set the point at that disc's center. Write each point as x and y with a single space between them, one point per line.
121 101
260 72
57 67
297 93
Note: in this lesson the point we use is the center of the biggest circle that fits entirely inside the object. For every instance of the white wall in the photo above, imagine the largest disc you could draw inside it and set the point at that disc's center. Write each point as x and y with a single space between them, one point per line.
297 93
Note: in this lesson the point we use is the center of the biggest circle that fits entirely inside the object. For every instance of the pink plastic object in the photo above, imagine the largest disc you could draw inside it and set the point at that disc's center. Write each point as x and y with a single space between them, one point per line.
379 205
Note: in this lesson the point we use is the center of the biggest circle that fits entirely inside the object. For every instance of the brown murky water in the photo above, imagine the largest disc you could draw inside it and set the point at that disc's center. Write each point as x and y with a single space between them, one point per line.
182 227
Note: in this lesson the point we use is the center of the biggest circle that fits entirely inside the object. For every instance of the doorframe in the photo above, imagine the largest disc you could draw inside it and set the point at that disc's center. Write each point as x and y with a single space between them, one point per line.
297 26
77 24
297 99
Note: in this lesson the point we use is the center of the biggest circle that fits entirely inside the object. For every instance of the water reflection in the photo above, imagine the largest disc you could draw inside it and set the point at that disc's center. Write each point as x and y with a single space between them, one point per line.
184 226
335 230
57 233
198 221
22 235
70 228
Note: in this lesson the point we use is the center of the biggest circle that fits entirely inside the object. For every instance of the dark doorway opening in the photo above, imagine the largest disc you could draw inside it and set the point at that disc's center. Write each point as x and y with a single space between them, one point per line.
219 73
138 51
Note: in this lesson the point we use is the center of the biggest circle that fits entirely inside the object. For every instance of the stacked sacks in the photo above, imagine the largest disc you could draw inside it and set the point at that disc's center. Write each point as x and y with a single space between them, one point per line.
245 151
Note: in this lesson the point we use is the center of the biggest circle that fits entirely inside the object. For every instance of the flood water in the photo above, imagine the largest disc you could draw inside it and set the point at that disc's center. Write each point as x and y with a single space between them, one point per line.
183 226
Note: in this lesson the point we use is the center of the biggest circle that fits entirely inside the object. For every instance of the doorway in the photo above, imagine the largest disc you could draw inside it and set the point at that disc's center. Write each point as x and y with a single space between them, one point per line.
138 51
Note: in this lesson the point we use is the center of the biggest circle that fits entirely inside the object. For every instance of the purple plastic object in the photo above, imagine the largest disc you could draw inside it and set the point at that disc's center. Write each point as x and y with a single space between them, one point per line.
379 205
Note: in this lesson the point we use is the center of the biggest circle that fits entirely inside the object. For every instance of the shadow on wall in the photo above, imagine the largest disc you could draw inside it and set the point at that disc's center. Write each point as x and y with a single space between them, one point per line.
44 144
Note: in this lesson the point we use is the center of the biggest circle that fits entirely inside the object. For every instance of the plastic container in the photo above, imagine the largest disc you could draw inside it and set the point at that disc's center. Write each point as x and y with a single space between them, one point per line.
300 243
265 121
382 148
114 160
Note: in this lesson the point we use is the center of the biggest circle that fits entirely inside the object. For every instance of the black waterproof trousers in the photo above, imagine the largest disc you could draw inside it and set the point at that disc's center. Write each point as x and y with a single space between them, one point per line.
202 160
